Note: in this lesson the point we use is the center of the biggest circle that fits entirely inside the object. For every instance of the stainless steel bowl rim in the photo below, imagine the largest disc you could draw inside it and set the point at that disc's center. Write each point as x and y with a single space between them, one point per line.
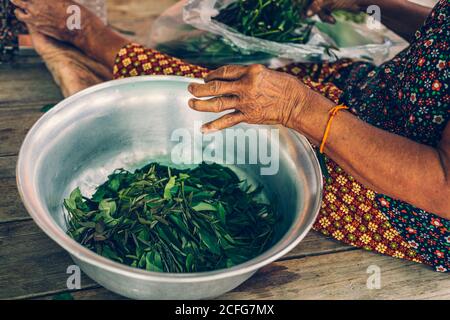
44 221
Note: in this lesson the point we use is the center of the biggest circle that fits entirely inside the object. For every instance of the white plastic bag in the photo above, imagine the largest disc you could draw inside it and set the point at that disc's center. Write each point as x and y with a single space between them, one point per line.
374 45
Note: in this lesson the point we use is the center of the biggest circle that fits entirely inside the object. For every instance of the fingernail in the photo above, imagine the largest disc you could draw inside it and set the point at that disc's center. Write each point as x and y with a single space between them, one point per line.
191 103
205 129
190 87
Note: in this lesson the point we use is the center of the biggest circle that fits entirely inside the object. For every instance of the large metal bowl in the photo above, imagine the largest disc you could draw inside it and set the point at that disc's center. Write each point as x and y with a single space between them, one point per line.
126 123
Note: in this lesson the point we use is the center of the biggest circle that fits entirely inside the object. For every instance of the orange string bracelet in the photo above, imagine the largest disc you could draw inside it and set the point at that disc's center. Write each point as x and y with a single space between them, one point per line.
332 114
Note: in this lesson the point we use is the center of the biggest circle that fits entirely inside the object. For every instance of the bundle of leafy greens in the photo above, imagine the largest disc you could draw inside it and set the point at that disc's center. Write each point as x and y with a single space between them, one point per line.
169 220
275 20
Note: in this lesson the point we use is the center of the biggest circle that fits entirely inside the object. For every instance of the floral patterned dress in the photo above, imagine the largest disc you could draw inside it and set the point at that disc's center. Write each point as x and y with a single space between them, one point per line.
408 95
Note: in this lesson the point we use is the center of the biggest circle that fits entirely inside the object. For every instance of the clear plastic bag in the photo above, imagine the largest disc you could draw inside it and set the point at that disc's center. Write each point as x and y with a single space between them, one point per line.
171 35
187 31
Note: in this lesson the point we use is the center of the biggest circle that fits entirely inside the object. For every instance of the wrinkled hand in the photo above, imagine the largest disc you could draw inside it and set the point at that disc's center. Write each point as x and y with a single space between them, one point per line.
50 17
258 96
324 8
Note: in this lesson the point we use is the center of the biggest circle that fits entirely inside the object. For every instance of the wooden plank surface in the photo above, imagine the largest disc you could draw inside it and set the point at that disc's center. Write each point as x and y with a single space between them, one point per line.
336 276
14 125
344 276
29 83
11 207
32 264
8 167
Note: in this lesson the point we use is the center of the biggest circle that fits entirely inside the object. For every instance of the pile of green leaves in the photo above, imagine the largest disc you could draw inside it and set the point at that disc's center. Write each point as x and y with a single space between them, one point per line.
275 20
168 220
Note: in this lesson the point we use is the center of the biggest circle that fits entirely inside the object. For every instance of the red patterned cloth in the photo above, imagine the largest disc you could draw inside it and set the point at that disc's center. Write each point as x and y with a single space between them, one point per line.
349 211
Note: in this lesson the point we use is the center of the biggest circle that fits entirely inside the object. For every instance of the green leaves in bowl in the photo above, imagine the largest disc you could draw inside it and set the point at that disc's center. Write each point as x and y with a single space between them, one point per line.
169 220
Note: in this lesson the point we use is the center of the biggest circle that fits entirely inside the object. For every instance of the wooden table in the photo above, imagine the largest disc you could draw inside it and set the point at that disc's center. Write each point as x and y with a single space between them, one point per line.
32 266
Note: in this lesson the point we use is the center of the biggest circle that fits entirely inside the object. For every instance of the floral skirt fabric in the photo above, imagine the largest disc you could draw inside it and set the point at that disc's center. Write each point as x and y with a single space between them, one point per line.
350 212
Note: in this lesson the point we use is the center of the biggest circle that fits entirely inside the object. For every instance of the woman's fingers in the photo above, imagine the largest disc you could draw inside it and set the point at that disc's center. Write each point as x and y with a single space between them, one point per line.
213 88
227 121
21 15
321 8
21 10
261 96
326 17
20 3
230 72
218 104
314 8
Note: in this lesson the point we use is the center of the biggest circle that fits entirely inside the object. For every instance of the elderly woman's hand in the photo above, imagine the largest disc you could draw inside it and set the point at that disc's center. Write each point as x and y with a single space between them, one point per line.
256 94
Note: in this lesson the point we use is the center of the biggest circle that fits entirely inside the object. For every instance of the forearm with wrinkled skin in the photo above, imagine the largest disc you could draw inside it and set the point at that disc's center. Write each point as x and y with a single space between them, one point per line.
386 162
